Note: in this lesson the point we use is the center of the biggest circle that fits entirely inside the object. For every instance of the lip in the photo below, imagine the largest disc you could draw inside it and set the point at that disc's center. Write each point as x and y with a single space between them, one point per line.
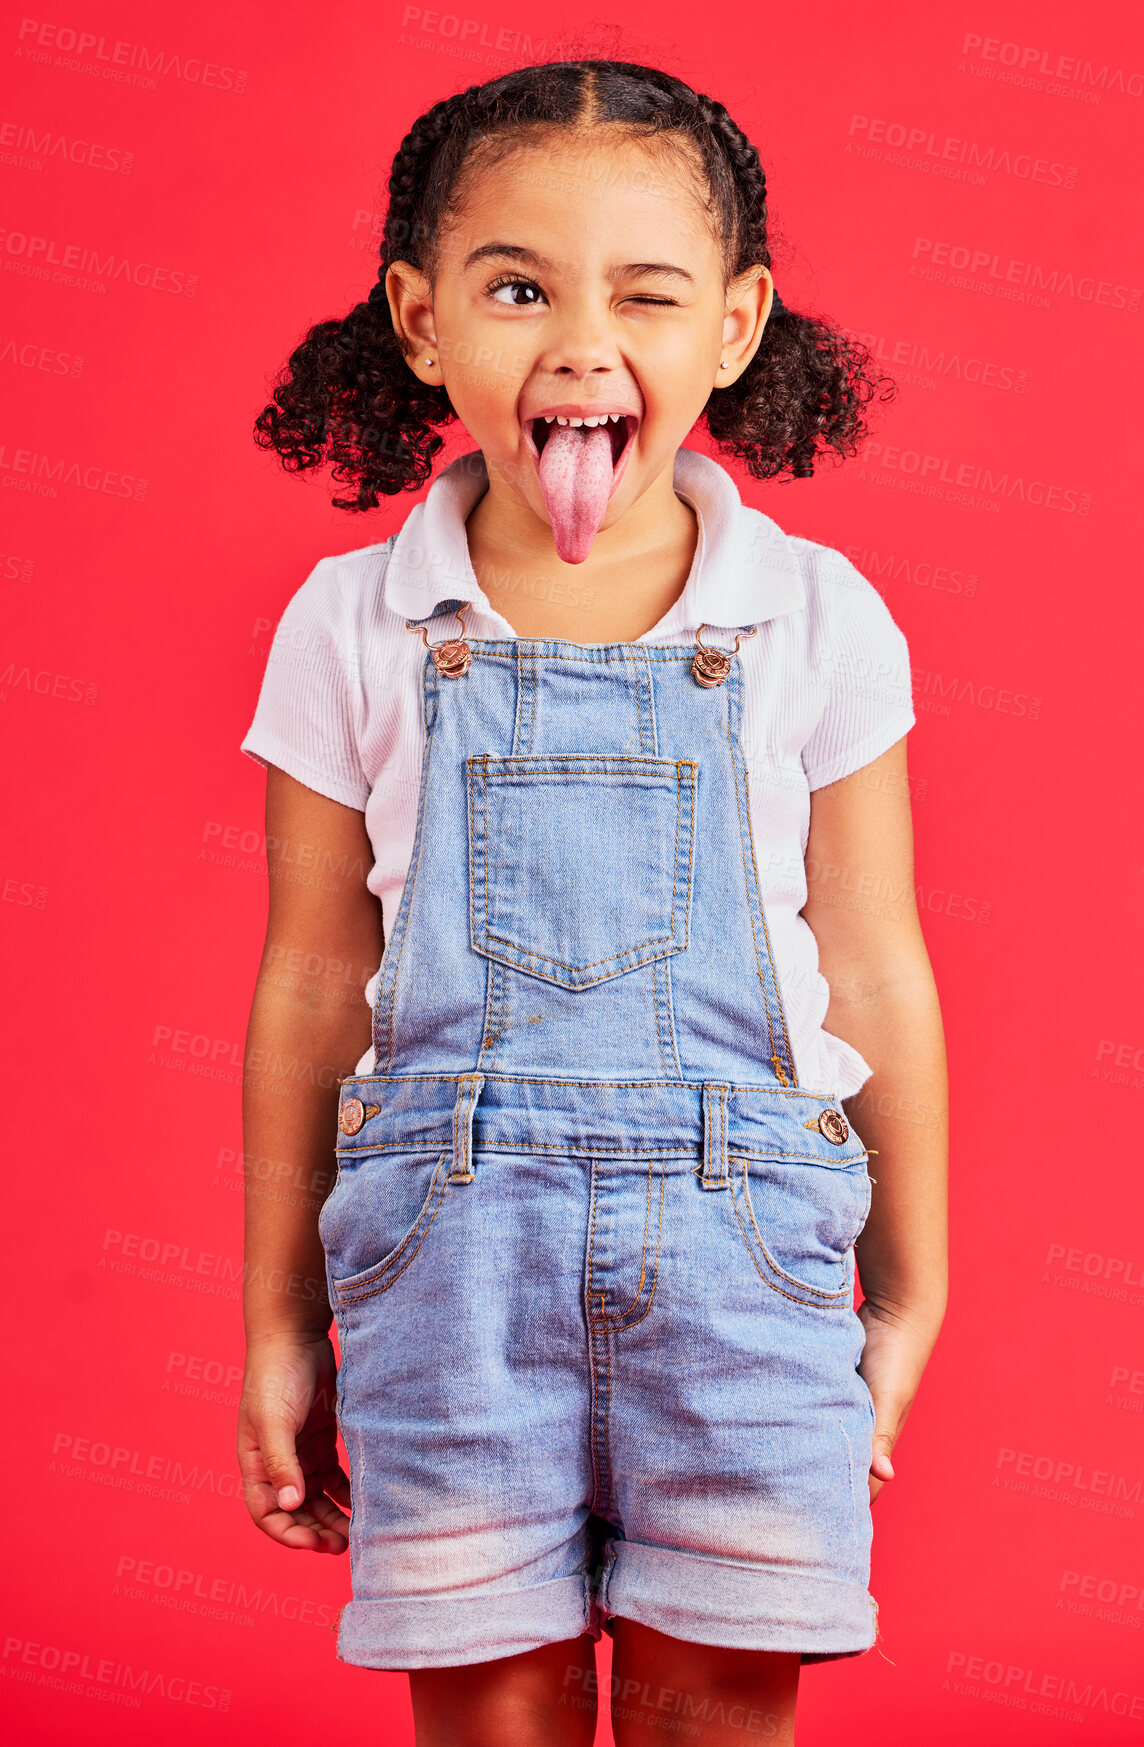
592 410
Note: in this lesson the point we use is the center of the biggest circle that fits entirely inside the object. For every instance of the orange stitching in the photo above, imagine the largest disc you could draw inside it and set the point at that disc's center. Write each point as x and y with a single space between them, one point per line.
556 761
602 1477
765 1091
655 1265
612 957
616 1320
352 1294
533 955
750 906
651 650
679 793
502 1007
462 1112
412 883
587 982
769 1282
495 1017
723 1159
656 1016
748 840
766 931
645 693
832 1295
664 1018
664 967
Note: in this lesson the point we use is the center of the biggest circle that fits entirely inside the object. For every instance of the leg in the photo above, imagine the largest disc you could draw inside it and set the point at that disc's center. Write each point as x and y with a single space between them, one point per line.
537 1699
702 1693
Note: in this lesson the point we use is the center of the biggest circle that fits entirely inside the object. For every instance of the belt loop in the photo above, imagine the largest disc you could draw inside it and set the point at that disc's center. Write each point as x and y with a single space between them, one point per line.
468 1091
715 1173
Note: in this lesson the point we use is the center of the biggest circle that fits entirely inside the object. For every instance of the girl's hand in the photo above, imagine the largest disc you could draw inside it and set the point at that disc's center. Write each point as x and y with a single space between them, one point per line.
895 1355
287 1443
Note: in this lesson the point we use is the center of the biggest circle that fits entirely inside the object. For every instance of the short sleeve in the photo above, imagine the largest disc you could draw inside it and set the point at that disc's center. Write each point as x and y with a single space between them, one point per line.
309 707
863 663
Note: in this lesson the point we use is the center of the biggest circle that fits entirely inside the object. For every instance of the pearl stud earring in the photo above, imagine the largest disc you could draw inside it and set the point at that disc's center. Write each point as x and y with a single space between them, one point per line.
724 366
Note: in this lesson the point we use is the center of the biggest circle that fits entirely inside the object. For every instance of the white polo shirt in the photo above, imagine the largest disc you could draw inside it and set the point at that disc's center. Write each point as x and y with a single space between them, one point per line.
826 688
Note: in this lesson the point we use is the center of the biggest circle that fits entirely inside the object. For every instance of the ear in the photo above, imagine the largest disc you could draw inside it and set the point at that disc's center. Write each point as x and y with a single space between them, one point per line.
411 310
747 308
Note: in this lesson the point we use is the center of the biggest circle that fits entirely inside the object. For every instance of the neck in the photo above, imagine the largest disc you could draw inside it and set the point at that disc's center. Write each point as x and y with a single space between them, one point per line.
633 575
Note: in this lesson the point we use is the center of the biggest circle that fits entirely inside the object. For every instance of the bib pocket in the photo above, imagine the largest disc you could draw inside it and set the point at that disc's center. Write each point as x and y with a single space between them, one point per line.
580 866
375 1223
799 1222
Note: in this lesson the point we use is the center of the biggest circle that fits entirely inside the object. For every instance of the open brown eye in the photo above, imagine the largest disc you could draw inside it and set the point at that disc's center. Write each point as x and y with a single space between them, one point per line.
521 292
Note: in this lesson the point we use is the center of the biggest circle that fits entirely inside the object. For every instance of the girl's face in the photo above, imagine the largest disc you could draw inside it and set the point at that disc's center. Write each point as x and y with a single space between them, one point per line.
580 279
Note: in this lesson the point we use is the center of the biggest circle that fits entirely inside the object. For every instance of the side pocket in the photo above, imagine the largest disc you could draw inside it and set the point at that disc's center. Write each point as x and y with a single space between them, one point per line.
375 1225
799 1222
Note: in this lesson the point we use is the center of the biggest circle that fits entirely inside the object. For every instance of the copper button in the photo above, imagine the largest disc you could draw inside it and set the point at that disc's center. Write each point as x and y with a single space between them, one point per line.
711 666
834 1126
351 1116
452 659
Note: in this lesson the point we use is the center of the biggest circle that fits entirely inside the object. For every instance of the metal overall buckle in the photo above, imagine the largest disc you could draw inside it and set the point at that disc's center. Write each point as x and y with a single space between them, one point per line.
711 666
452 658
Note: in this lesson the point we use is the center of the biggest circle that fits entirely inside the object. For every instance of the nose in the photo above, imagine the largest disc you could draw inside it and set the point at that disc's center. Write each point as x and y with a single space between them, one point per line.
581 346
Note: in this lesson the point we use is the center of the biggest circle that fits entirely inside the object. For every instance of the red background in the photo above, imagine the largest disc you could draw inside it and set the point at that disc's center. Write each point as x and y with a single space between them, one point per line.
142 580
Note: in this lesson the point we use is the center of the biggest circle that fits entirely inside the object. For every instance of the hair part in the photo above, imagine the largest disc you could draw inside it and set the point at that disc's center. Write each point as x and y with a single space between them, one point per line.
347 398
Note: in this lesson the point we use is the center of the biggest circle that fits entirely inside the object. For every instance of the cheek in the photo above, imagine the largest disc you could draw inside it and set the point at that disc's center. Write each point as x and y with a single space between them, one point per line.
484 369
484 359
678 375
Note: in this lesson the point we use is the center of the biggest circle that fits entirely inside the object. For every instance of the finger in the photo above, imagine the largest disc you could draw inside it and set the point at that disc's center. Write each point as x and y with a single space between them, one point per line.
280 1460
335 1482
295 1530
318 1526
333 1525
880 1463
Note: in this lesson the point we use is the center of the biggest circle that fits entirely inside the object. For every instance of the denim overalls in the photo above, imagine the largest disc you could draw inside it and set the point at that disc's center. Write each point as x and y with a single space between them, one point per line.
590 1246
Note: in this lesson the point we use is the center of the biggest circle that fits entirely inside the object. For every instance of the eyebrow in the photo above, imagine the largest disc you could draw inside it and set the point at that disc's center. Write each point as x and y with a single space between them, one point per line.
529 257
651 270
508 251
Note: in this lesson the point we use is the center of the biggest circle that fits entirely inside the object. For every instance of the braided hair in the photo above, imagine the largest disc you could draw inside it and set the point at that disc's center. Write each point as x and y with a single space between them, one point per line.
347 399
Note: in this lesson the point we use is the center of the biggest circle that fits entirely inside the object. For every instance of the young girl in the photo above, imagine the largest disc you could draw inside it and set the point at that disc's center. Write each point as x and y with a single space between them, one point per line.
619 769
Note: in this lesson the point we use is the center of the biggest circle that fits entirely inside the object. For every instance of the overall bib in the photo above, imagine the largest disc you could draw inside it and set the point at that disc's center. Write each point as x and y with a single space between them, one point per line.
590 1249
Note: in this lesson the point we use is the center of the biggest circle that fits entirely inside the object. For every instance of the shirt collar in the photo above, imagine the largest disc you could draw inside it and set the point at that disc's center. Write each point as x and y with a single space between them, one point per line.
745 569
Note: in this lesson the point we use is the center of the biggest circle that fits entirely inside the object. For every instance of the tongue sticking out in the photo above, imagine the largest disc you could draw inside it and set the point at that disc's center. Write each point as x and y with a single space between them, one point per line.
576 479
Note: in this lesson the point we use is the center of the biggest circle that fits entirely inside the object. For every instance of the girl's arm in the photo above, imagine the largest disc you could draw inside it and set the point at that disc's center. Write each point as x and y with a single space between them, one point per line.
861 906
308 1025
